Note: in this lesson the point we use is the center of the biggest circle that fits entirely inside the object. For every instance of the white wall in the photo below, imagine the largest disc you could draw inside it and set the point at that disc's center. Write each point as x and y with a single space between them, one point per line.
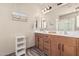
9 28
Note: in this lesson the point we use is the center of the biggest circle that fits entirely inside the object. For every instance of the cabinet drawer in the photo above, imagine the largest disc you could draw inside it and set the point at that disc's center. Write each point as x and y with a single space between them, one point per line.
41 42
41 38
37 45
41 35
46 45
41 47
47 41
47 50
36 34
46 35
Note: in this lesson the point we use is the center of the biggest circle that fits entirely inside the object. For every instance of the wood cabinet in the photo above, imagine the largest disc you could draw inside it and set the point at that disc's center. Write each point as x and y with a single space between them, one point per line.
41 42
36 40
68 50
47 44
55 45
69 46
63 46
77 47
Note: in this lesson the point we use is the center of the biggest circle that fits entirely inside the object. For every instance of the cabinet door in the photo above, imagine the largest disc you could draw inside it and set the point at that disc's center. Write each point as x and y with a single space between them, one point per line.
69 46
77 50
55 49
78 47
55 46
68 50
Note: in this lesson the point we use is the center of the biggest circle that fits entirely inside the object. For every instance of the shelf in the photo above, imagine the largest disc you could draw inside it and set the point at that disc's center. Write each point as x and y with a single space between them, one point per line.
21 52
21 42
21 47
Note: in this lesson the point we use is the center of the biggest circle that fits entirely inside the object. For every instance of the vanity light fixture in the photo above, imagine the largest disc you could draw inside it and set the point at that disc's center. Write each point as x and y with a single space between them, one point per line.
46 10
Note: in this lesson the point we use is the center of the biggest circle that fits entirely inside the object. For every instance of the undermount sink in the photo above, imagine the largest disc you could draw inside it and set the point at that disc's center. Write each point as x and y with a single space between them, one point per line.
73 33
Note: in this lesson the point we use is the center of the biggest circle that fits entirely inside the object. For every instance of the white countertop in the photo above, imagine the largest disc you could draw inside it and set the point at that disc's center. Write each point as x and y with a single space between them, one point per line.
67 35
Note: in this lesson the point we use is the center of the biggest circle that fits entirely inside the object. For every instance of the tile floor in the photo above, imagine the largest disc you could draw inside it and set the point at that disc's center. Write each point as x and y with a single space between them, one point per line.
32 52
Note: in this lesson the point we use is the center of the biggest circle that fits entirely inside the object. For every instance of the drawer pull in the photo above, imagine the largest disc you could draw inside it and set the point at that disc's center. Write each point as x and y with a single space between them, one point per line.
63 47
59 46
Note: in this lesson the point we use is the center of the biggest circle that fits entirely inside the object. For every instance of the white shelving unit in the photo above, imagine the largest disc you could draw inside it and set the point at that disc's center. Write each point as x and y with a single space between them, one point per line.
20 46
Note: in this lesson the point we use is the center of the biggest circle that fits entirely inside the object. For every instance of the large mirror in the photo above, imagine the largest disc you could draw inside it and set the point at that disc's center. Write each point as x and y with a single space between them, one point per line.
67 22
40 23
77 21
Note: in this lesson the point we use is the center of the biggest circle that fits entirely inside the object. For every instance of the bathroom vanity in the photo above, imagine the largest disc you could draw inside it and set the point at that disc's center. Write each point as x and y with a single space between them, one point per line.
57 44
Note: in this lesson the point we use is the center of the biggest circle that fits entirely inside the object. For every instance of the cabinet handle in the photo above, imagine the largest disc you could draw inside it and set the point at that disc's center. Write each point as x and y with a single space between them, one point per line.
63 47
59 46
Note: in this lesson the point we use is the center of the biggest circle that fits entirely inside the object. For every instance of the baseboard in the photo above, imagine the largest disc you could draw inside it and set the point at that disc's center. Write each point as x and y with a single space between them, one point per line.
11 54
